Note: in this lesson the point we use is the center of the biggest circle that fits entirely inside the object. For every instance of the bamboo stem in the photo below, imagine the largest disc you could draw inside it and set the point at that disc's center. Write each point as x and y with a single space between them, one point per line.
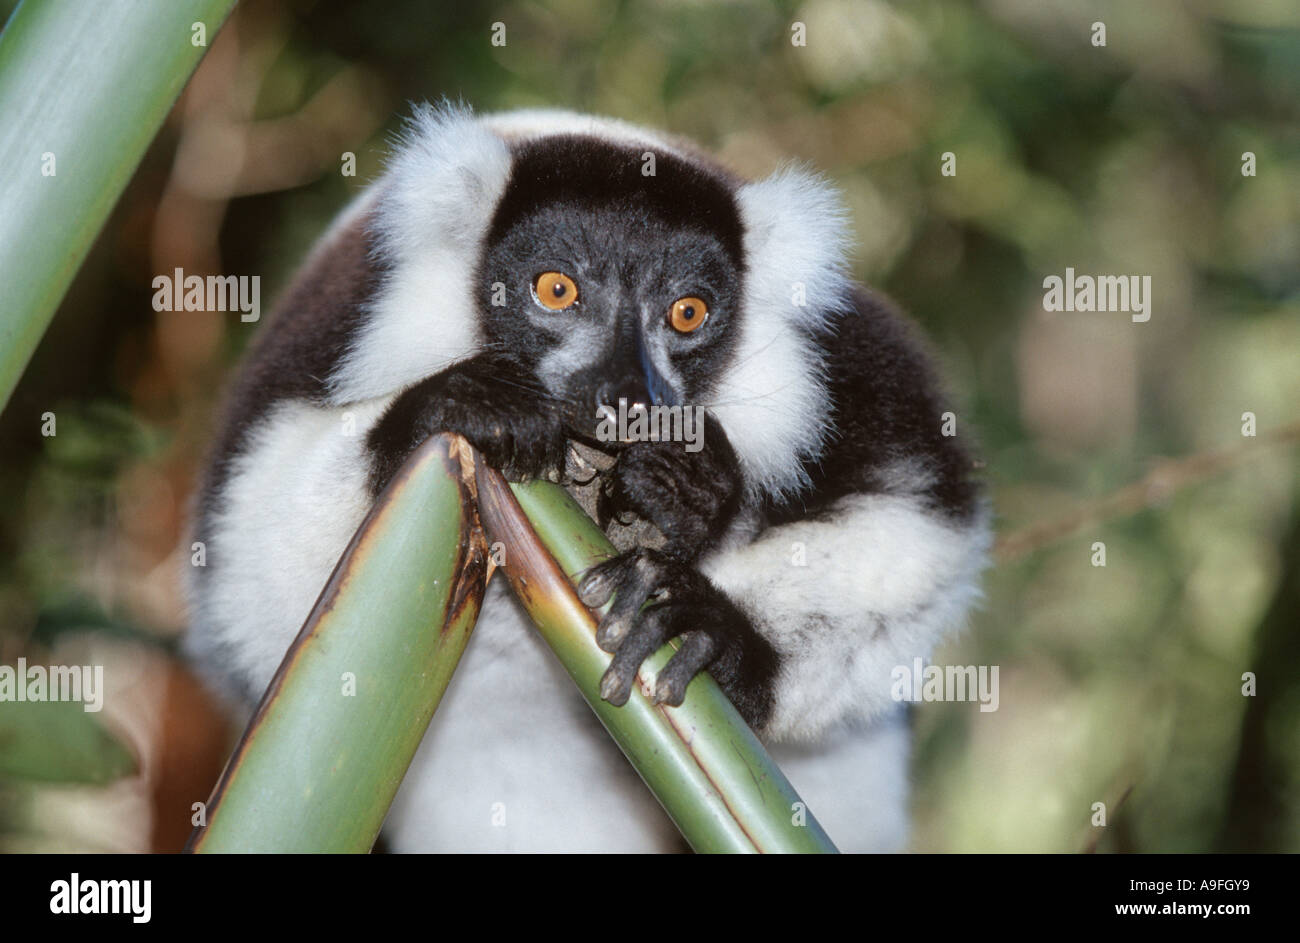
701 760
320 762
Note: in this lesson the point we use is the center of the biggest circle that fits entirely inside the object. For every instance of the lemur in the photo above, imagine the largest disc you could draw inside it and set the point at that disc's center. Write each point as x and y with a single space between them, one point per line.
510 278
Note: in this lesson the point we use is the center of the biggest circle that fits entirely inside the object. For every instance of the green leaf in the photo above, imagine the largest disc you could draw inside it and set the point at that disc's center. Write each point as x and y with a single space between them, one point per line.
60 742
84 88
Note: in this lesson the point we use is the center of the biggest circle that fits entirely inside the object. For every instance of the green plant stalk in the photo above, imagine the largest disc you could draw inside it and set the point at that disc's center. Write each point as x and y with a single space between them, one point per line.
701 761
90 84
317 767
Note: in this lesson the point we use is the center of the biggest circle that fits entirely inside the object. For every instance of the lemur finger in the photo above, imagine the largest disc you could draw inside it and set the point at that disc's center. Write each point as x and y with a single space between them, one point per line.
599 582
653 629
497 450
619 619
655 481
698 651
611 506
642 582
596 588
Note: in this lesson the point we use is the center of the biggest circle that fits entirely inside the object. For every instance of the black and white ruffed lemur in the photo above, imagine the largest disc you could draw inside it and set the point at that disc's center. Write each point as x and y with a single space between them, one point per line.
506 277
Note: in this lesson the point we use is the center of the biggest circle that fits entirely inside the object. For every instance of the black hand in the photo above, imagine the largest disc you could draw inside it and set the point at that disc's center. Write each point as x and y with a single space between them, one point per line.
657 598
492 404
689 496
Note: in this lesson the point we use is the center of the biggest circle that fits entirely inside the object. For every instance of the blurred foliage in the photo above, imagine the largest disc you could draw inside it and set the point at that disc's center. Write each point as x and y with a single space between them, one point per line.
1120 684
59 742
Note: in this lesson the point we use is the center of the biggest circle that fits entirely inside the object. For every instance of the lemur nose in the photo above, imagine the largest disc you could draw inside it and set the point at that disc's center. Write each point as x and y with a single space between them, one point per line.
610 393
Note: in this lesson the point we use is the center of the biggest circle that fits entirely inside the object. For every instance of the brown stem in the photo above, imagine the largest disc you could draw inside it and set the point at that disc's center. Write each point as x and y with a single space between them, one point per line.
1159 484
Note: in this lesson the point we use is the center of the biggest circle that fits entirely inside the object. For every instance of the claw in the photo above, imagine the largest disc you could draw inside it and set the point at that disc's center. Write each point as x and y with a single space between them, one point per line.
666 694
613 689
598 585
611 632
602 510
579 469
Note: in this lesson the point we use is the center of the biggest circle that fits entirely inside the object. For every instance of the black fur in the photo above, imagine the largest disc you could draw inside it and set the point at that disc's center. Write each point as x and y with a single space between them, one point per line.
886 408
634 245
299 347
489 401
595 174
690 497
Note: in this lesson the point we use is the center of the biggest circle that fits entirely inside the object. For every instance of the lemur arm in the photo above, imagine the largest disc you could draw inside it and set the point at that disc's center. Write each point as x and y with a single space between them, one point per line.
867 569
489 400
881 558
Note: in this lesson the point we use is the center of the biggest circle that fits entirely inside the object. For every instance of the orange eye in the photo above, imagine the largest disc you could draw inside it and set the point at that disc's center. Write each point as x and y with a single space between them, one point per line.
555 290
687 314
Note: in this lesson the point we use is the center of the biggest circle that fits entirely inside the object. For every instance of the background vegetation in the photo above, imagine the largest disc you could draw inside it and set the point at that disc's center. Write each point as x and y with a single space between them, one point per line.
1119 684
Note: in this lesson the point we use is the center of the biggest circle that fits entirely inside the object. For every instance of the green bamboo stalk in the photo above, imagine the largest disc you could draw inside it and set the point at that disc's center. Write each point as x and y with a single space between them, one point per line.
701 760
317 769
89 84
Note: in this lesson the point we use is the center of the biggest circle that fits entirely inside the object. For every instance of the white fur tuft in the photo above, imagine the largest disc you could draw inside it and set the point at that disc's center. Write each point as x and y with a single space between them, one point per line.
772 400
881 582
529 123
290 506
434 206
796 231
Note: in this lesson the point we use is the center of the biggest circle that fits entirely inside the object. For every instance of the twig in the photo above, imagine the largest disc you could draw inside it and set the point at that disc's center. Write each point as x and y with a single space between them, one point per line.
1157 485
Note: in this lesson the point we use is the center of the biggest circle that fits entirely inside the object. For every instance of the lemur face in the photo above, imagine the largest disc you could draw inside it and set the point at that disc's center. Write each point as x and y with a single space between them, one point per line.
610 283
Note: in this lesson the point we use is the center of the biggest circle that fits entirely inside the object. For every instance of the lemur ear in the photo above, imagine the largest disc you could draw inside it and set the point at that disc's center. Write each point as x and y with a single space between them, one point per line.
797 241
771 399
431 212
446 175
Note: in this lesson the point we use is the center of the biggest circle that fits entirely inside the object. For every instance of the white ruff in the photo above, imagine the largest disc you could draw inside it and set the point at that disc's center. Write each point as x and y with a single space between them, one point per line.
773 401
884 581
